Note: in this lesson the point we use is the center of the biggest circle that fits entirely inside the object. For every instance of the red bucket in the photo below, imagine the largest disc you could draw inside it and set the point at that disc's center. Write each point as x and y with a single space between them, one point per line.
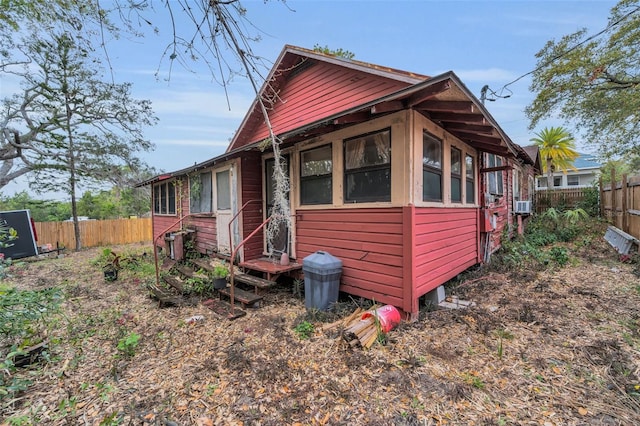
387 315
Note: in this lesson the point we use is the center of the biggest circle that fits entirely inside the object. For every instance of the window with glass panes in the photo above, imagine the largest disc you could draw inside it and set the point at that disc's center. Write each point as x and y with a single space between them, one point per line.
495 178
431 168
470 180
316 176
367 168
200 193
164 198
456 175
573 180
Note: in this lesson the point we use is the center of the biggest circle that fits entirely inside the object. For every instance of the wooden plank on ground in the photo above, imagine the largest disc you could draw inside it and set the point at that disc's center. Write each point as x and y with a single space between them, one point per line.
257 282
242 296
204 264
223 308
174 282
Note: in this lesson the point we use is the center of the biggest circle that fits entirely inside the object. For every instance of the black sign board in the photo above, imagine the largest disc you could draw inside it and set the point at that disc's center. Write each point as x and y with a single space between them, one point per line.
25 245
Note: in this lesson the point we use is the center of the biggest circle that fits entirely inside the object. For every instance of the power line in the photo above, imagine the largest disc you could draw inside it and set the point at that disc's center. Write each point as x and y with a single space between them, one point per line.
483 93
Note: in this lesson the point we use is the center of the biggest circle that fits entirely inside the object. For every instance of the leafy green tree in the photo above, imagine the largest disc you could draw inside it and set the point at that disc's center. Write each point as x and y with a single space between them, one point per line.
557 151
82 129
594 82
216 33
41 210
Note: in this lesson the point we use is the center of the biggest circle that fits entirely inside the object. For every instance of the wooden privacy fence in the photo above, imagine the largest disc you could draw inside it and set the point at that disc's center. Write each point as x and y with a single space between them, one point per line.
620 203
565 197
95 233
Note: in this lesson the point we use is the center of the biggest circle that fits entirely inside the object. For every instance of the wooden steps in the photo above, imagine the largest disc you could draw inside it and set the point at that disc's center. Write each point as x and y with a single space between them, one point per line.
163 296
188 272
223 308
174 282
204 264
257 282
246 298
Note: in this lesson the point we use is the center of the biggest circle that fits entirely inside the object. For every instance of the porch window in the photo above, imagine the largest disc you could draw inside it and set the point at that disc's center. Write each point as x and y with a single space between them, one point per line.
164 198
200 193
316 182
470 181
367 173
456 175
573 180
495 178
431 168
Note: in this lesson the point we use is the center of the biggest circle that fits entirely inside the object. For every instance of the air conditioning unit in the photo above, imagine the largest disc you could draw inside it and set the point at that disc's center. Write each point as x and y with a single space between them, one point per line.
523 207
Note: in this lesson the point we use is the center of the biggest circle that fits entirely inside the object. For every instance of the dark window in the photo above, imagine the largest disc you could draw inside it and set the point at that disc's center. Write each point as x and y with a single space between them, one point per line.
200 193
470 174
456 175
431 168
495 178
164 198
367 172
316 169
557 181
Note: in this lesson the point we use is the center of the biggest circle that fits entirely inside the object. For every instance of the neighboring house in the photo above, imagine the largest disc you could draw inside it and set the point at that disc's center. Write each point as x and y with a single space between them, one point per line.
406 178
586 173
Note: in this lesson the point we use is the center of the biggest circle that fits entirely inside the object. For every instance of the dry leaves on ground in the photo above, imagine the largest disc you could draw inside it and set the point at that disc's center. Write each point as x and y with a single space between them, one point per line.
557 347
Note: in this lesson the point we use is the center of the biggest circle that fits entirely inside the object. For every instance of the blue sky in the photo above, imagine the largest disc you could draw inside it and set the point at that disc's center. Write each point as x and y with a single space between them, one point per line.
483 42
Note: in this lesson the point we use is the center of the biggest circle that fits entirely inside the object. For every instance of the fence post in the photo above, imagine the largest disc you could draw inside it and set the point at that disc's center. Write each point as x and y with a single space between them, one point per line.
625 217
614 190
601 199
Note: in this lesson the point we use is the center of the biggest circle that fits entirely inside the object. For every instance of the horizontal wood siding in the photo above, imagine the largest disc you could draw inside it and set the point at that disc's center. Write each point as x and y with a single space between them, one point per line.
368 241
445 245
251 182
206 239
160 226
319 91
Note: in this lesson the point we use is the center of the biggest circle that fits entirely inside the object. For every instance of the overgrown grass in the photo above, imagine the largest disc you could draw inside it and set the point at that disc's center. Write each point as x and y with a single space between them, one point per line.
544 243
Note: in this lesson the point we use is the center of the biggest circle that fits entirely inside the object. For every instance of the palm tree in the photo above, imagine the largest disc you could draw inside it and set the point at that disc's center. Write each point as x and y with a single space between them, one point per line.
557 151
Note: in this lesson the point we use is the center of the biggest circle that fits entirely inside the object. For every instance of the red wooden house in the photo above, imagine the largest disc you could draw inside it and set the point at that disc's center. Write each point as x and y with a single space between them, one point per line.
395 173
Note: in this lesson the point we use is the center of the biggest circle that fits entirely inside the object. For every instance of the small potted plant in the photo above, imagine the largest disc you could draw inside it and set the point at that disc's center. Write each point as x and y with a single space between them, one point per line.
111 266
220 274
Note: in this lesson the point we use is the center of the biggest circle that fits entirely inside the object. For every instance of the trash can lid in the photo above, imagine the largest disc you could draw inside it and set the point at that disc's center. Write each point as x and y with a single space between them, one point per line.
321 260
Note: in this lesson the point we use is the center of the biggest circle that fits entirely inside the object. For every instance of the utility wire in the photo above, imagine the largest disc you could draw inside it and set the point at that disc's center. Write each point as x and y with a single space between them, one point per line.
571 49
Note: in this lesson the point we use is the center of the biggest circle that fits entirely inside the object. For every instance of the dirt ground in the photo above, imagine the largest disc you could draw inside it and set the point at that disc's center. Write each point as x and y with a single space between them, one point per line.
553 347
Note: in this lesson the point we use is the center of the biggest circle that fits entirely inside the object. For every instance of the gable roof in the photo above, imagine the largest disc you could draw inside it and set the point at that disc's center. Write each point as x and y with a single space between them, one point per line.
305 85
310 93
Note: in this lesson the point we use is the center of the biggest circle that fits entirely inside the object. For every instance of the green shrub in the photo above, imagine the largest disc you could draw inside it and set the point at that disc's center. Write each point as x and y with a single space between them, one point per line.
128 344
559 255
24 315
304 330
